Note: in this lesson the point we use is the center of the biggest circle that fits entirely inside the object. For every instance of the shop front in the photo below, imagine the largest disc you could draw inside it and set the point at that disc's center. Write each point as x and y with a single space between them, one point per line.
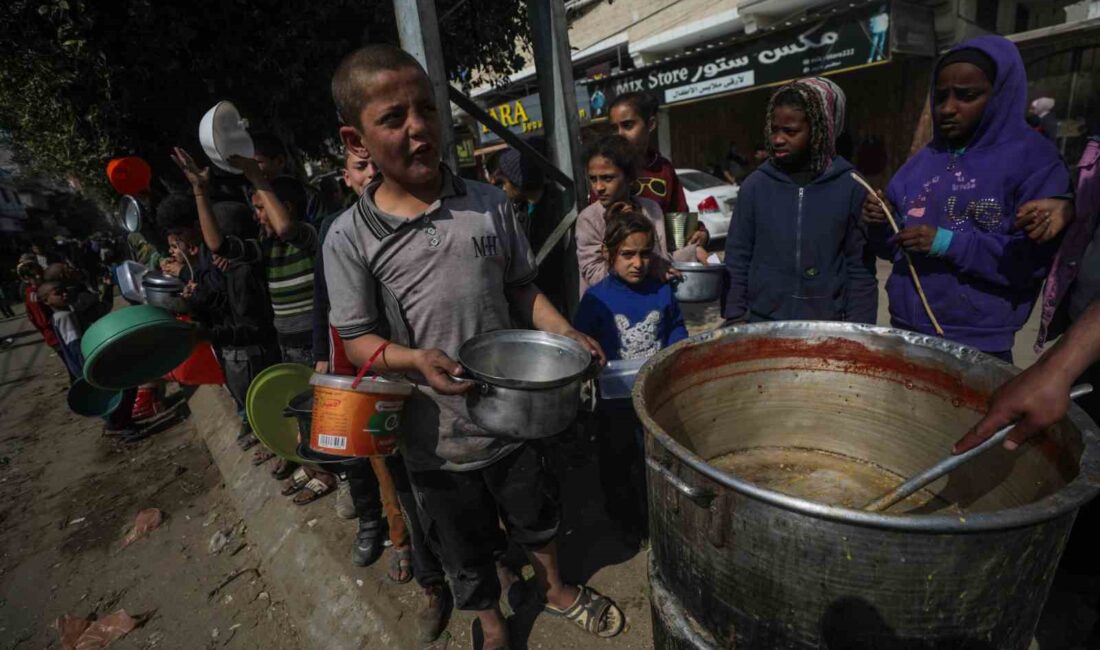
879 52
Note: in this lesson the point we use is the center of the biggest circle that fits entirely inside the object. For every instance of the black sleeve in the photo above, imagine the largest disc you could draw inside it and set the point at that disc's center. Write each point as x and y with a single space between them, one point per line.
249 309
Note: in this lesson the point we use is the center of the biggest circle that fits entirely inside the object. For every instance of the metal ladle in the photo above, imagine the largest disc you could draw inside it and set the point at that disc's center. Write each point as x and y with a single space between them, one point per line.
950 463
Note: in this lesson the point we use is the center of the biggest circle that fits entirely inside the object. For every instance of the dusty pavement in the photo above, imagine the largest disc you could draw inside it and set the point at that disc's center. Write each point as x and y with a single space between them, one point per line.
68 496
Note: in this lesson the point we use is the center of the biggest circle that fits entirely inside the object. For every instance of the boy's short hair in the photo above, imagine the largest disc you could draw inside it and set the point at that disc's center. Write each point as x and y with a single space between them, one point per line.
645 104
57 272
268 145
235 219
46 288
349 82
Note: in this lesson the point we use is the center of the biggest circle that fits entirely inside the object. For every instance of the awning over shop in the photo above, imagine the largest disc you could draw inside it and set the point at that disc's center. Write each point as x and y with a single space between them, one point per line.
826 43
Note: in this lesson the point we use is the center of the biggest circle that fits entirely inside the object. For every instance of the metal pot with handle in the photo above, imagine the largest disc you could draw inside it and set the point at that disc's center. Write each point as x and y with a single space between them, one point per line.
529 384
163 290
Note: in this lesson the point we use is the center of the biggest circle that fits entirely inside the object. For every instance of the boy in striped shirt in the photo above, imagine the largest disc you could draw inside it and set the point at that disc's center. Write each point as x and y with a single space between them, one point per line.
287 247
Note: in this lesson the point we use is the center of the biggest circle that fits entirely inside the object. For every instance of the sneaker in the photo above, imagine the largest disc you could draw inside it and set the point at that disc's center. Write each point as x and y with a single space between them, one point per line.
345 507
433 619
368 542
146 404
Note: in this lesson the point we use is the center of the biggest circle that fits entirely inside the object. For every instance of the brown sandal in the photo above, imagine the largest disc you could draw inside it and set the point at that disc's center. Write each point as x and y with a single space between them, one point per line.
401 565
592 612
283 469
261 456
296 483
313 490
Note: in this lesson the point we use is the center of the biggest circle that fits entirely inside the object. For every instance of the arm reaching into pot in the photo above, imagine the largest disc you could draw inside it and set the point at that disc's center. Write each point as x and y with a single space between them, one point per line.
1039 396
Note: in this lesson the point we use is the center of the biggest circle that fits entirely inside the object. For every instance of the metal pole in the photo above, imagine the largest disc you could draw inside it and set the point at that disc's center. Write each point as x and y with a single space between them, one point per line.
419 30
482 116
1075 66
557 94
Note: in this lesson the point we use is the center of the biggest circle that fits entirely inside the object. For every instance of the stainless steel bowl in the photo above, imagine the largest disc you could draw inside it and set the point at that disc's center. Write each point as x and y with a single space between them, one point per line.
529 383
700 282
524 359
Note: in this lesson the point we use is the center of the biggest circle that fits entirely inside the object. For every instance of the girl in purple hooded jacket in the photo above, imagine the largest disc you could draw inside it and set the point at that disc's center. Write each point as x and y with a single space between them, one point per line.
958 197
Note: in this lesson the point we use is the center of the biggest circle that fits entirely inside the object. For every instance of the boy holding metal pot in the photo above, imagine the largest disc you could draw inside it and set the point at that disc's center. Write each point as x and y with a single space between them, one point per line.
424 261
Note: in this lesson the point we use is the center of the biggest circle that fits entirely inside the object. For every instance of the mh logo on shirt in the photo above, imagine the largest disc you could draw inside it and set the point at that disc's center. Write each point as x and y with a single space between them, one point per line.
485 246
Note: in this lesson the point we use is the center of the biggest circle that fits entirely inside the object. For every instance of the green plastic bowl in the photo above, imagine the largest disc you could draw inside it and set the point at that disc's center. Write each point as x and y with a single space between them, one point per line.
268 396
135 345
89 401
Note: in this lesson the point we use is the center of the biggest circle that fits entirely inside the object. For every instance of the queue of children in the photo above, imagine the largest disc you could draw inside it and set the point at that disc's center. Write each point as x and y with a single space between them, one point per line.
423 260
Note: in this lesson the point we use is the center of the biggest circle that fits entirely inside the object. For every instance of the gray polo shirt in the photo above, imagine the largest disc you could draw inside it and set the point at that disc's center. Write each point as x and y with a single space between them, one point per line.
433 281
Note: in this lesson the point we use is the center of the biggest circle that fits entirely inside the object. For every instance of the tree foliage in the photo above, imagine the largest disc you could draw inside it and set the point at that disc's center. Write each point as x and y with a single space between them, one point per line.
82 81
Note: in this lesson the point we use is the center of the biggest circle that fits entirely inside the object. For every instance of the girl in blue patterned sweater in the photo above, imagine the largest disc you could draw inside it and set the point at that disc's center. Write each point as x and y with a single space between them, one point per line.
632 316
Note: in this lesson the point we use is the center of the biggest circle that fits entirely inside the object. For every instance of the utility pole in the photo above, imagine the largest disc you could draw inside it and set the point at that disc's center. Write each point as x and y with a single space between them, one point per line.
557 94
418 26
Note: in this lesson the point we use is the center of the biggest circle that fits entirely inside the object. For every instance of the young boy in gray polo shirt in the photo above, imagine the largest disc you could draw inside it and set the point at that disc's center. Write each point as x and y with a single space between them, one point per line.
423 262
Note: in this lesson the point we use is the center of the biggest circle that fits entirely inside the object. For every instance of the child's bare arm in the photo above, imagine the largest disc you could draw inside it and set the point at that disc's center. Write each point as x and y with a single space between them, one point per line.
276 211
534 306
200 180
434 365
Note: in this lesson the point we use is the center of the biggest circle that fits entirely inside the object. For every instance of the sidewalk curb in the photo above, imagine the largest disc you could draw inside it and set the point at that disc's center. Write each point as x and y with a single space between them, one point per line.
333 603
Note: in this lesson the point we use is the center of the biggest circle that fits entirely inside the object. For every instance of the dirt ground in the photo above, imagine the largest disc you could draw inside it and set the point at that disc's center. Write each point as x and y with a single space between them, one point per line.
68 496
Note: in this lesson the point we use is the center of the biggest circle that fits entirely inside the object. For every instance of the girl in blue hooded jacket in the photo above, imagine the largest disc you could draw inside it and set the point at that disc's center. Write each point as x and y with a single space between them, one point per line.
958 199
797 247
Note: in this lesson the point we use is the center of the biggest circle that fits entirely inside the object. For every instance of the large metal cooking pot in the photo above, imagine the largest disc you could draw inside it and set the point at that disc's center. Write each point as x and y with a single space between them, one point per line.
163 290
735 564
698 282
528 382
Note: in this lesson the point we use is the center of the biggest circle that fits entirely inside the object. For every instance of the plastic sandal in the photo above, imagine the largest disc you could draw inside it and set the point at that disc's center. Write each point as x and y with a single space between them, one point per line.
593 613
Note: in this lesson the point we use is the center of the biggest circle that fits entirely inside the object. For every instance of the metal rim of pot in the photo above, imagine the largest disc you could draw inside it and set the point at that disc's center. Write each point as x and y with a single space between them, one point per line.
160 281
1068 498
698 267
533 337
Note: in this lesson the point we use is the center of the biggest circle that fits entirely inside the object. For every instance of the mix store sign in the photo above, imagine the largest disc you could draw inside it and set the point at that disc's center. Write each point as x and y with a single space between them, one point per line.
853 39
523 116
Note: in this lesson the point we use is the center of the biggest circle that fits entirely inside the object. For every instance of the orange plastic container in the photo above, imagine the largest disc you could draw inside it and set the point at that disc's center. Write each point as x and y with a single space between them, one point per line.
356 422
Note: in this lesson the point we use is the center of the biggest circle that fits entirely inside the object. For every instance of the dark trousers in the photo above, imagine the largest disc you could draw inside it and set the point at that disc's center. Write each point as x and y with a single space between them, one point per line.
621 461
241 365
302 355
367 497
462 515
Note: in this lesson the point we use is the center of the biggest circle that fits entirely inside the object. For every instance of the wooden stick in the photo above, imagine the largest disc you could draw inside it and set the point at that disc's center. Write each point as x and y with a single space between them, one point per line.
912 269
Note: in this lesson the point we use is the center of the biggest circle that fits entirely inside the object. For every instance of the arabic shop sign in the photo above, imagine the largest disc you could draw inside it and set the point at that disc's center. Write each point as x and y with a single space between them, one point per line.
849 40
523 116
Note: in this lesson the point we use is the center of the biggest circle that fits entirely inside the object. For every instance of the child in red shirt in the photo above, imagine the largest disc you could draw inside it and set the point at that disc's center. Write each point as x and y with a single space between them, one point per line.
31 273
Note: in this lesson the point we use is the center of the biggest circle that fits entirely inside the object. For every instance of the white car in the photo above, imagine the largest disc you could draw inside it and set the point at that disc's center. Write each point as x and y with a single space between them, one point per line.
712 197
